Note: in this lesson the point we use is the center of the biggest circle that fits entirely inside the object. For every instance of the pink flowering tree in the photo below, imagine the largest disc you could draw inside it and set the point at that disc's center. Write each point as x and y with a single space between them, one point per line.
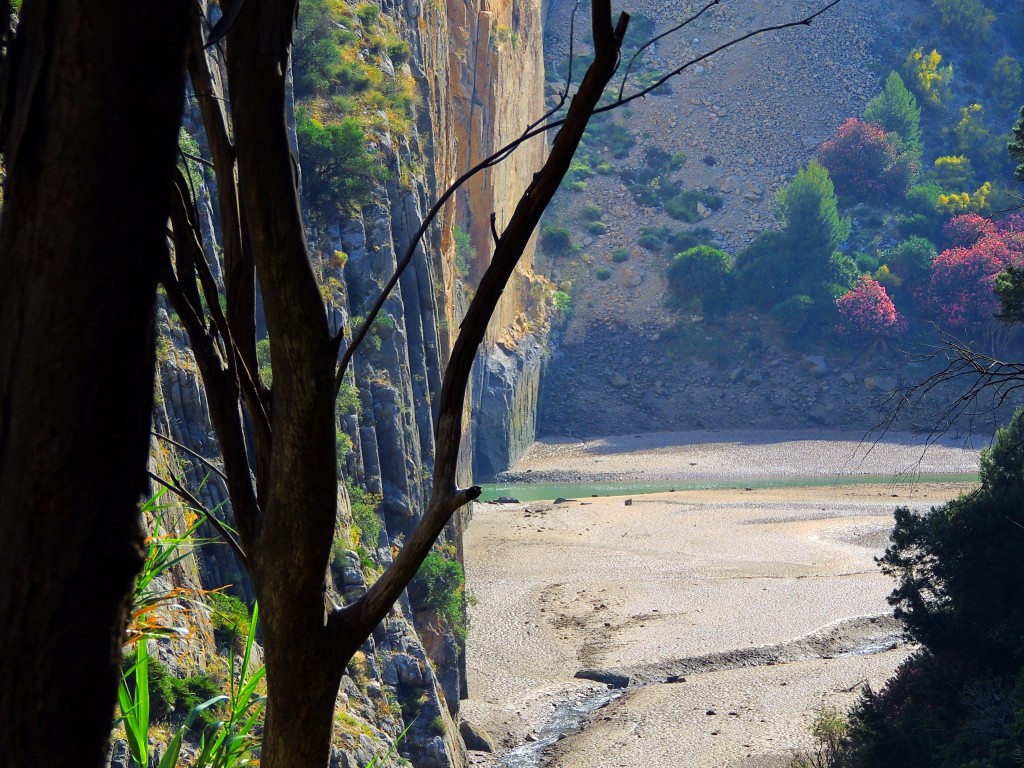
867 310
961 292
967 229
867 163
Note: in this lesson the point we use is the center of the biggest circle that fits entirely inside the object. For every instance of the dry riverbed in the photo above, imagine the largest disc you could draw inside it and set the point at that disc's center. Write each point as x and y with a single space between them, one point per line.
762 606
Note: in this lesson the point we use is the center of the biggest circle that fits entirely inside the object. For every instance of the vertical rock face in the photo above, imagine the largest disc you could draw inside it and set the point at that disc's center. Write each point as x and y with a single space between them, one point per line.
497 65
478 66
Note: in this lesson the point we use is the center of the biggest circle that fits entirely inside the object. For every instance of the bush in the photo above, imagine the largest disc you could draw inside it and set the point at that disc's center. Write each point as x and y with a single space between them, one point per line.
927 76
465 253
339 169
867 163
597 227
684 205
603 273
1006 83
794 313
912 258
650 241
563 302
556 240
440 584
364 506
590 212
230 618
701 275
685 239
867 310
970 20
171 699
620 255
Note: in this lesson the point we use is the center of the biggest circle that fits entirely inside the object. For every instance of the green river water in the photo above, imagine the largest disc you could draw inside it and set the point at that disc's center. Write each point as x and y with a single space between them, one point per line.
582 490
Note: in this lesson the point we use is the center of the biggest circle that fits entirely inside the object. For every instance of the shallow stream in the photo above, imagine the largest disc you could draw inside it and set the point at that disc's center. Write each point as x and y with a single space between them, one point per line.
546 491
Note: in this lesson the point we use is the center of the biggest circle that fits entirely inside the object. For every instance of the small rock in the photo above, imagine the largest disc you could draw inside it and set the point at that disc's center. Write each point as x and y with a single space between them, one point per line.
628 502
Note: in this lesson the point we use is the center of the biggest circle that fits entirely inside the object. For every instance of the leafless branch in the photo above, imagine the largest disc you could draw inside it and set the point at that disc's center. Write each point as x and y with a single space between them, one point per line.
656 38
195 455
222 530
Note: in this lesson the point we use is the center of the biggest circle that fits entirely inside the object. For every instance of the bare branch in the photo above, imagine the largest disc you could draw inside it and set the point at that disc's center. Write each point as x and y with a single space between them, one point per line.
178 489
656 38
195 455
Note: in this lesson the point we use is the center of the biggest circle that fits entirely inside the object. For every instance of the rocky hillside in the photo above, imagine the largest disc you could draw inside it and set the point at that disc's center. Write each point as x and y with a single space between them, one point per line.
731 132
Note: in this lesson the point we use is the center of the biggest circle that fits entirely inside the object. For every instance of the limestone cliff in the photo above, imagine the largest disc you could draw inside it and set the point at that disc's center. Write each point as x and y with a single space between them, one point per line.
497 66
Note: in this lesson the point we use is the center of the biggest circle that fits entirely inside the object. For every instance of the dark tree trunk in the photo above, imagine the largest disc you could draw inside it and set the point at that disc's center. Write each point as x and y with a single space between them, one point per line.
91 112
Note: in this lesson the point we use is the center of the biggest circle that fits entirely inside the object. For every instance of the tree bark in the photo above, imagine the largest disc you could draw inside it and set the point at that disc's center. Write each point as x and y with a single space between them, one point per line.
92 105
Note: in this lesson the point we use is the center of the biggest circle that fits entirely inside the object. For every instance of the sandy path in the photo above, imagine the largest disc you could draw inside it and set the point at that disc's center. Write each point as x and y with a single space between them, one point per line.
643 588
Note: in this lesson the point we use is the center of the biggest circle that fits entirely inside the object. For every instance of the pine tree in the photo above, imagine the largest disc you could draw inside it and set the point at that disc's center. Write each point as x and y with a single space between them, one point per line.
895 109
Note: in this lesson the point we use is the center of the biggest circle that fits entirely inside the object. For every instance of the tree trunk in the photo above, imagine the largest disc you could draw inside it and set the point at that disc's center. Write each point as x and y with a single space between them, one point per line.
92 107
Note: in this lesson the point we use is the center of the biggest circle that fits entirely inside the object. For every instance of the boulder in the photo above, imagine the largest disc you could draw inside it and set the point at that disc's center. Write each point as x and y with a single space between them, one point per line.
607 677
476 738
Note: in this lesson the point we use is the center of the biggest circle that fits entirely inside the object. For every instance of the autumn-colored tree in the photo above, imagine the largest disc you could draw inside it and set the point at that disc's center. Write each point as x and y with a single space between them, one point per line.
867 163
961 293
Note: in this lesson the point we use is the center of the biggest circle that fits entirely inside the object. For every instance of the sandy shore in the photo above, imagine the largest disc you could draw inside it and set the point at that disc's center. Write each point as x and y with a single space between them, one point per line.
759 599
754 454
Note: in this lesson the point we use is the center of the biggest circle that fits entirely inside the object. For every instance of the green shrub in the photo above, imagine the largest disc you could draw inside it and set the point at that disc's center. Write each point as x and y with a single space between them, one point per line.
603 273
465 253
1006 83
702 275
339 169
556 240
912 258
590 212
620 255
794 313
440 584
172 698
684 205
970 20
597 227
364 505
398 50
229 616
368 14
650 242
563 302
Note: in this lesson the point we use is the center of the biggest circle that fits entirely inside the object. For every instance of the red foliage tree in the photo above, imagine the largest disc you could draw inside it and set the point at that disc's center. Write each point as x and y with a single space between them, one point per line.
867 310
966 230
867 163
961 292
